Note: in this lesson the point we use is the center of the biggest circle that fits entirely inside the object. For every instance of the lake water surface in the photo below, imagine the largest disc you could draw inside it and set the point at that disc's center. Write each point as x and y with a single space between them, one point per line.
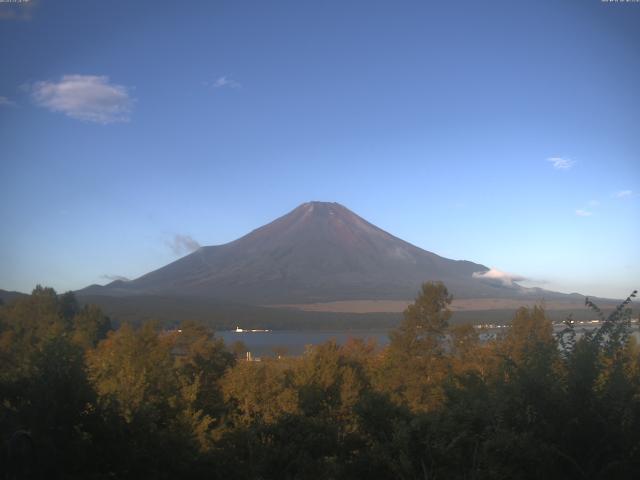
264 343
294 342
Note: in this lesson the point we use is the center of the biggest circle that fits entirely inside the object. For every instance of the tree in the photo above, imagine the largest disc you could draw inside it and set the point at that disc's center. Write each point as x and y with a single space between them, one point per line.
603 392
60 408
415 363
132 372
200 362
239 349
90 325
29 323
425 322
260 391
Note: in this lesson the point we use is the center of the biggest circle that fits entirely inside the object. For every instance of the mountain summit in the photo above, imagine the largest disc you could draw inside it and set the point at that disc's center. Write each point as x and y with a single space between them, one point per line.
318 252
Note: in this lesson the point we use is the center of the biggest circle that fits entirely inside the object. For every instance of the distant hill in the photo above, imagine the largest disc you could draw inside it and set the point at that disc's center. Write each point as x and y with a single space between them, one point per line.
319 252
7 296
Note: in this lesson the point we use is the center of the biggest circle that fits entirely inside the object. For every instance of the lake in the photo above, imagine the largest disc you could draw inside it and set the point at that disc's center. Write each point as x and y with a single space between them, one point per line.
294 342
264 343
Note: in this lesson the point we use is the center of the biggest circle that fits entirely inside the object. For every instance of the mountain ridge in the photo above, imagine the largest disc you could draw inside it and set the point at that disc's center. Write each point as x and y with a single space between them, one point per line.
318 252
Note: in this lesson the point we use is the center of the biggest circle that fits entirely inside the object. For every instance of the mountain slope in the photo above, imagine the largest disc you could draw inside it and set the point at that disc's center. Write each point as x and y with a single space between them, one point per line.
8 297
318 252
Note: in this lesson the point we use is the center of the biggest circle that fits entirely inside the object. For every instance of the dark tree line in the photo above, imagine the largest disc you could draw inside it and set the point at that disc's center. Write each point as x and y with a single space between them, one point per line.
81 400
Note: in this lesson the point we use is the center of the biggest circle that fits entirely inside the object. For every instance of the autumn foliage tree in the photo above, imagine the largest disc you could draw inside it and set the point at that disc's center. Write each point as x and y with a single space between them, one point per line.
415 363
438 401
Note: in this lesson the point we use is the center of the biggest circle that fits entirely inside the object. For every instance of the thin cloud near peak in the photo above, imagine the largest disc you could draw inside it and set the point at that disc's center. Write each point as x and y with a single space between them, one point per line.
90 98
560 163
181 244
493 275
114 278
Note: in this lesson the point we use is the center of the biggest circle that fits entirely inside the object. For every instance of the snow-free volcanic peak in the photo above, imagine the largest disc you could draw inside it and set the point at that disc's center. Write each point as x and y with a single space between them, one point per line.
318 252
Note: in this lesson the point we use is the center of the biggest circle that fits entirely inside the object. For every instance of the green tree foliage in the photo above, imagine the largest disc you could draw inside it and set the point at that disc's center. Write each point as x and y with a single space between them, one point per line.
59 407
161 389
260 392
133 376
415 363
43 383
602 385
90 326
200 362
437 402
425 322
29 324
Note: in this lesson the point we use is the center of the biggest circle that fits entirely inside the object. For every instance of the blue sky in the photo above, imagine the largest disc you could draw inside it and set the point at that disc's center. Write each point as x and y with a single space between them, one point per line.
502 132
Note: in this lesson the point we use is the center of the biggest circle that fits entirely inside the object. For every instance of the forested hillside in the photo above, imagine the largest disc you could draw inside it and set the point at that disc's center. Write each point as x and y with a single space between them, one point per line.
82 400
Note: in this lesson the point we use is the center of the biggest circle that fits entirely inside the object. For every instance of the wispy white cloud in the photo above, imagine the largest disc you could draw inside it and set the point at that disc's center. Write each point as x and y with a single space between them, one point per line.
583 213
84 97
560 163
113 278
225 82
594 203
181 244
14 10
623 194
5 102
493 275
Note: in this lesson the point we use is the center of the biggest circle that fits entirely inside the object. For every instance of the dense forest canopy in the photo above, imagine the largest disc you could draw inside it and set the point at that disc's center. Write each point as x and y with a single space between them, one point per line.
82 400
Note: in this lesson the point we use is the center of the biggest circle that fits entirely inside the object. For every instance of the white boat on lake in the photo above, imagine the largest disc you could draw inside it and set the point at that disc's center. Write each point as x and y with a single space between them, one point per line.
243 330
